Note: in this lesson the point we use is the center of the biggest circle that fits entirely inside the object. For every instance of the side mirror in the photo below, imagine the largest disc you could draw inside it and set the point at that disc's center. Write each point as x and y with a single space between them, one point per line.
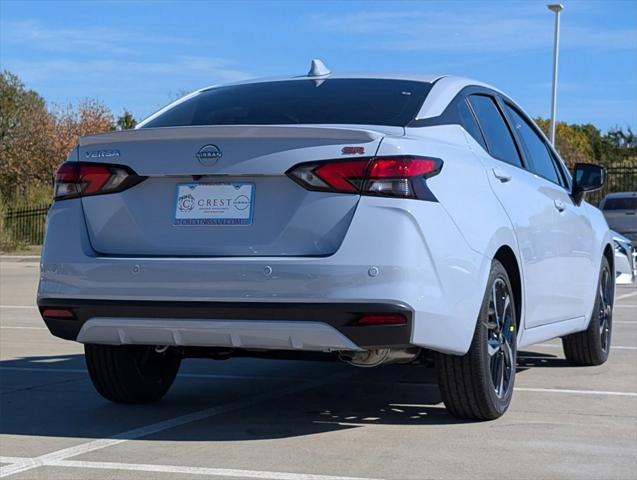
587 177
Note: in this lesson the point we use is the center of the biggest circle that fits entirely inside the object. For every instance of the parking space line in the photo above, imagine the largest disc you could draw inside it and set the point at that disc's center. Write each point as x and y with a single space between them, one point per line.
157 427
14 460
576 392
335 378
606 393
20 466
529 389
626 295
20 327
557 345
179 469
213 472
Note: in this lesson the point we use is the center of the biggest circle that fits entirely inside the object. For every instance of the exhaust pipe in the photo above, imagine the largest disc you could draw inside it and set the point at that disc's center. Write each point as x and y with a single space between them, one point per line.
379 356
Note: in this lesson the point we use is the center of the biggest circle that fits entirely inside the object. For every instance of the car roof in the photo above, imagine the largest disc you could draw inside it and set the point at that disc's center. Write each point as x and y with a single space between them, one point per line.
425 78
621 195
414 77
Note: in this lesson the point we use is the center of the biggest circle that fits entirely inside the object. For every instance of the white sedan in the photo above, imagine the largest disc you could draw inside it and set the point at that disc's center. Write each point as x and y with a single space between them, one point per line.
366 218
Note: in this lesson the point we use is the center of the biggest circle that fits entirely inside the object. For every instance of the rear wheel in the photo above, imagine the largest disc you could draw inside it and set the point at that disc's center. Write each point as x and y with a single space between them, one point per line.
131 374
479 384
592 346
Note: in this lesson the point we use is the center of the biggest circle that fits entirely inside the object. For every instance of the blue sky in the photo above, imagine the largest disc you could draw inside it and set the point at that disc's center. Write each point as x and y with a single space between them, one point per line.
140 55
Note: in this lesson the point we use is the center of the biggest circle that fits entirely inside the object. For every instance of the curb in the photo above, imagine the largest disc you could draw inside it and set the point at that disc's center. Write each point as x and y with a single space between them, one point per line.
20 258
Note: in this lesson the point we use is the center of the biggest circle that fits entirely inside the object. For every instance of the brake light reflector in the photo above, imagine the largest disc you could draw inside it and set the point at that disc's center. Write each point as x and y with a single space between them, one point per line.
382 319
58 313
76 179
401 176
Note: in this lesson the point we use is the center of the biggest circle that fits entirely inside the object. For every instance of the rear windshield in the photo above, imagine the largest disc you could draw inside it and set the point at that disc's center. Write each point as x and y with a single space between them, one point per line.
625 203
344 101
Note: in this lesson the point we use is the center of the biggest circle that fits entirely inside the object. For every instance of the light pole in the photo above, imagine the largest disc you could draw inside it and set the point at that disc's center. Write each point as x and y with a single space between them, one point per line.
557 8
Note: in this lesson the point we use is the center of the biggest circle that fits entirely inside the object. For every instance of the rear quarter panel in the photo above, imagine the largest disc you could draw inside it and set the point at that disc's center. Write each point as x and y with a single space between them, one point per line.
464 194
462 188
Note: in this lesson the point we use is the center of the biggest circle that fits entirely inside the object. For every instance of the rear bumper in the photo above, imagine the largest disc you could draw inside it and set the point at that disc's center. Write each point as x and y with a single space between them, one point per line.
406 253
250 325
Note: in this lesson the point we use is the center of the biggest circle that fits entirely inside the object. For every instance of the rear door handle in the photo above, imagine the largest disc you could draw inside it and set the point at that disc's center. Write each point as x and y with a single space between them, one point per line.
501 175
559 204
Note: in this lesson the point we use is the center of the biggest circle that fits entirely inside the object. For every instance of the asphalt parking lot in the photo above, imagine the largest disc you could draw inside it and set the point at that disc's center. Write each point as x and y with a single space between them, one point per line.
245 418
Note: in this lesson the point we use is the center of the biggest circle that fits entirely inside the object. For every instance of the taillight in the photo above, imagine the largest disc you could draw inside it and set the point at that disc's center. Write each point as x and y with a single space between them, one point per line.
382 319
342 176
402 176
79 179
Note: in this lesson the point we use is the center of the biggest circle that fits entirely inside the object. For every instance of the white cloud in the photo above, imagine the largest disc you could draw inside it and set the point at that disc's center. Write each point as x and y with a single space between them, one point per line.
102 39
119 58
122 70
140 87
108 63
497 31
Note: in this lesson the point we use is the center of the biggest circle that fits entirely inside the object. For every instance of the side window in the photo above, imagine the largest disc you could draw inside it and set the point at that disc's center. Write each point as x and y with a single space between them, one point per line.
541 161
469 122
565 179
496 133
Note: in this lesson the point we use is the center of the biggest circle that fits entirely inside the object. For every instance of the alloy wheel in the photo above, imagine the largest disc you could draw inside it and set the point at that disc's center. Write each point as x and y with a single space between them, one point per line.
605 311
501 333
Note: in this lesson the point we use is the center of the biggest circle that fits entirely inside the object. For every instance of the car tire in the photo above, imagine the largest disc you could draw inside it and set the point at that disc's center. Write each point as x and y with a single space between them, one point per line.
592 346
479 384
131 373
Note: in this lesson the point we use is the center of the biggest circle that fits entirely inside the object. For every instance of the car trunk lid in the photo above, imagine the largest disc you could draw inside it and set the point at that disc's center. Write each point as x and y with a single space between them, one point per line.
250 207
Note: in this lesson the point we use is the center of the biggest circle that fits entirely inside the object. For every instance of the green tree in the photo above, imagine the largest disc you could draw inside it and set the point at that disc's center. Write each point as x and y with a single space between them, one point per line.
24 126
622 139
126 121
35 140
572 143
585 143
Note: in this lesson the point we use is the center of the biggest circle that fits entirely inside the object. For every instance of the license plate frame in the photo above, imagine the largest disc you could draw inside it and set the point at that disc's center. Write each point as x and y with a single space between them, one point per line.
214 204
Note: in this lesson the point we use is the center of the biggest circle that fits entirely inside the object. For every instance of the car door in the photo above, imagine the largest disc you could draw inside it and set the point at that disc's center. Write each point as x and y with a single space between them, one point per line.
532 204
574 272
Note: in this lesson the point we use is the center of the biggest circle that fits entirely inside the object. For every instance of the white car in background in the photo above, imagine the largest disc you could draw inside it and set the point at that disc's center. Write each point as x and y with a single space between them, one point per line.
620 211
366 218
625 260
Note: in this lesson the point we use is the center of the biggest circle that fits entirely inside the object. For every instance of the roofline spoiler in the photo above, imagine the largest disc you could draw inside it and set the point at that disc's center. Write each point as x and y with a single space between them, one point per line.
233 131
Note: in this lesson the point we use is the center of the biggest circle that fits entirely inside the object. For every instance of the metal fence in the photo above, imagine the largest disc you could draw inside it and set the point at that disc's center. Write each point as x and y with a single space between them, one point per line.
619 179
26 225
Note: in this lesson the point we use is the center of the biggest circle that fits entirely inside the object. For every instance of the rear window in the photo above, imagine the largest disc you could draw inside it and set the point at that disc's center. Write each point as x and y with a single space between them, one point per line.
625 203
345 101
